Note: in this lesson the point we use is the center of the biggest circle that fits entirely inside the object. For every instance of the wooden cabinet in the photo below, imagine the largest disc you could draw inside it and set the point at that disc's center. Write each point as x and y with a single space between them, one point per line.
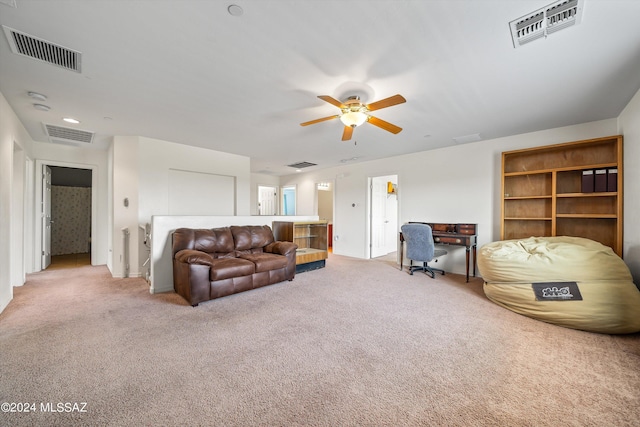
311 238
546 191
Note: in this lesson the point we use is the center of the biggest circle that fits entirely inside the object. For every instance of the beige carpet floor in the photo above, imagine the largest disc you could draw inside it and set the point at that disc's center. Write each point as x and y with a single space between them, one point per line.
358 343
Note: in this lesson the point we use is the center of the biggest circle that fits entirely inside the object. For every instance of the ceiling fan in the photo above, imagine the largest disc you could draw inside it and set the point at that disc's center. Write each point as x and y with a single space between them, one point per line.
354 113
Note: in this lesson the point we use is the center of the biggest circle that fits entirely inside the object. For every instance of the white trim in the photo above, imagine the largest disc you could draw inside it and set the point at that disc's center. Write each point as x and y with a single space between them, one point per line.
38 203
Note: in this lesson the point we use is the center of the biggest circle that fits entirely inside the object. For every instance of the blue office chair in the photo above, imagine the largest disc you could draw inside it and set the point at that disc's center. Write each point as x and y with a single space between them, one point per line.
420 248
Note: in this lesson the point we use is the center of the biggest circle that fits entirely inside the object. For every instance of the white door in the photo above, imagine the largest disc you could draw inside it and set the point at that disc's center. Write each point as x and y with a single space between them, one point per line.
46 216
267 201
383 217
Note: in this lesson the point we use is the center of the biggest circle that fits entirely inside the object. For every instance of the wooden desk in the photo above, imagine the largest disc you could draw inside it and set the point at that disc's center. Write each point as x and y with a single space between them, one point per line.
451 234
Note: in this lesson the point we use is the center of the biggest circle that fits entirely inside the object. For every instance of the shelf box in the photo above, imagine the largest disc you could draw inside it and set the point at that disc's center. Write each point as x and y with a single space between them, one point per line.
600 180
587 181
612 180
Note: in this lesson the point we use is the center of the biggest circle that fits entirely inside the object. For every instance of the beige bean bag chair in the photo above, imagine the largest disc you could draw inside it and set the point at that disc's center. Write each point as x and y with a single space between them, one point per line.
568 281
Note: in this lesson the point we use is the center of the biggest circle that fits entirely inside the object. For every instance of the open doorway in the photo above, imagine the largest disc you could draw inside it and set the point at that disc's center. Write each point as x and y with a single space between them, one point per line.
70 224
59 232
267 200
383 234
325 208
289 200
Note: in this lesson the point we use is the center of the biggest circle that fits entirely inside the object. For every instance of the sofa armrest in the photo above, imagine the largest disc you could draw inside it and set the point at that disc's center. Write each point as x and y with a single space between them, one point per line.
191 256
281 248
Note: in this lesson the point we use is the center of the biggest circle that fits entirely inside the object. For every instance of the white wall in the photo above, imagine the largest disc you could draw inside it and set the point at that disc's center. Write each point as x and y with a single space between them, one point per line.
18 275
13 138
125 179
140 172
629 122
459 184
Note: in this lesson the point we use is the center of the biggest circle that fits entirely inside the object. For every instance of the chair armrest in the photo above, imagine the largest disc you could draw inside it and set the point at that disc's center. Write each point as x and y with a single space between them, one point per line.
281 248
191 256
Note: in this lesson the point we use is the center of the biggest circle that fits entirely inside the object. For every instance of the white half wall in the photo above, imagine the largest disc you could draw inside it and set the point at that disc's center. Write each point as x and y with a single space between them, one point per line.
163 226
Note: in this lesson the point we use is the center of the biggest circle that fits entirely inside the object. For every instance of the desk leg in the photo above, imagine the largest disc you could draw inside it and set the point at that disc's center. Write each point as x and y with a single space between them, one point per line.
474 260
474 257
401 253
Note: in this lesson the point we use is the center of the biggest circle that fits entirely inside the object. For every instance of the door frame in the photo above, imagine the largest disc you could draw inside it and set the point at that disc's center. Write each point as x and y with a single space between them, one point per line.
369 239
276 199
37 211
283 204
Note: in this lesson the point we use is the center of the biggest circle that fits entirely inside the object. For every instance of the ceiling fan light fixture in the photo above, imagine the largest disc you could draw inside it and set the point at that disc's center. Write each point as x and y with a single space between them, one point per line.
353 118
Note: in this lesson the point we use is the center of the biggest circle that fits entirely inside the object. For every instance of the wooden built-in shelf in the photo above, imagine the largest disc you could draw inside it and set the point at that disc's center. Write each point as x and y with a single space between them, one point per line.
543 194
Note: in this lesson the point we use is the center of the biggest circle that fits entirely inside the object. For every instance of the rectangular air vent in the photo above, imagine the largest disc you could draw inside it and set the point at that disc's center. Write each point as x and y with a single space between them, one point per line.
301 165
42 50
63 134
548 20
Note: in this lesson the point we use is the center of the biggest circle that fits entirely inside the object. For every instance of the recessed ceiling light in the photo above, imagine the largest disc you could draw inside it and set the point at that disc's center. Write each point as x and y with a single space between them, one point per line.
235 10
41 107
38 96
71 120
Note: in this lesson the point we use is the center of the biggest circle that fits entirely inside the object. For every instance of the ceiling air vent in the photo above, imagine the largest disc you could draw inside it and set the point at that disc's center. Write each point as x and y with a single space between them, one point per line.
42 50
301 165
63 134
548 20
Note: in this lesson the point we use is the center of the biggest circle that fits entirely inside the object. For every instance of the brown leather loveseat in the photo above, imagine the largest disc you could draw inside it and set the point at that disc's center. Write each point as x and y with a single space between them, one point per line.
212 263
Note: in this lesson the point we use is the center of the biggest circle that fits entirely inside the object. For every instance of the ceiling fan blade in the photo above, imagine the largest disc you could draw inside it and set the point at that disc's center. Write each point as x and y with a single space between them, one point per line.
387 102
348 131
332 101
384 125
319 120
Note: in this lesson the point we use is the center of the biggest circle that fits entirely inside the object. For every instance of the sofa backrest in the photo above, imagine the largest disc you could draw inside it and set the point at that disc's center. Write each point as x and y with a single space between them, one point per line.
251 238
224 241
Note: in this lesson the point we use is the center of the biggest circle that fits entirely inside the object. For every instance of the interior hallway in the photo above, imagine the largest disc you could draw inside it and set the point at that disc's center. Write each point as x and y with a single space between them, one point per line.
69 261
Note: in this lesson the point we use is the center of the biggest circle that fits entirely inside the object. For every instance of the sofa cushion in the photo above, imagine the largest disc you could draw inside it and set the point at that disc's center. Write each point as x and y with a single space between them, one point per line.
265 261
250 237
213 240
227 268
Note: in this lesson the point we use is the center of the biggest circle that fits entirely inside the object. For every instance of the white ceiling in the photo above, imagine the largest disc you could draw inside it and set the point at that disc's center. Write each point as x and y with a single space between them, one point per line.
189 72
